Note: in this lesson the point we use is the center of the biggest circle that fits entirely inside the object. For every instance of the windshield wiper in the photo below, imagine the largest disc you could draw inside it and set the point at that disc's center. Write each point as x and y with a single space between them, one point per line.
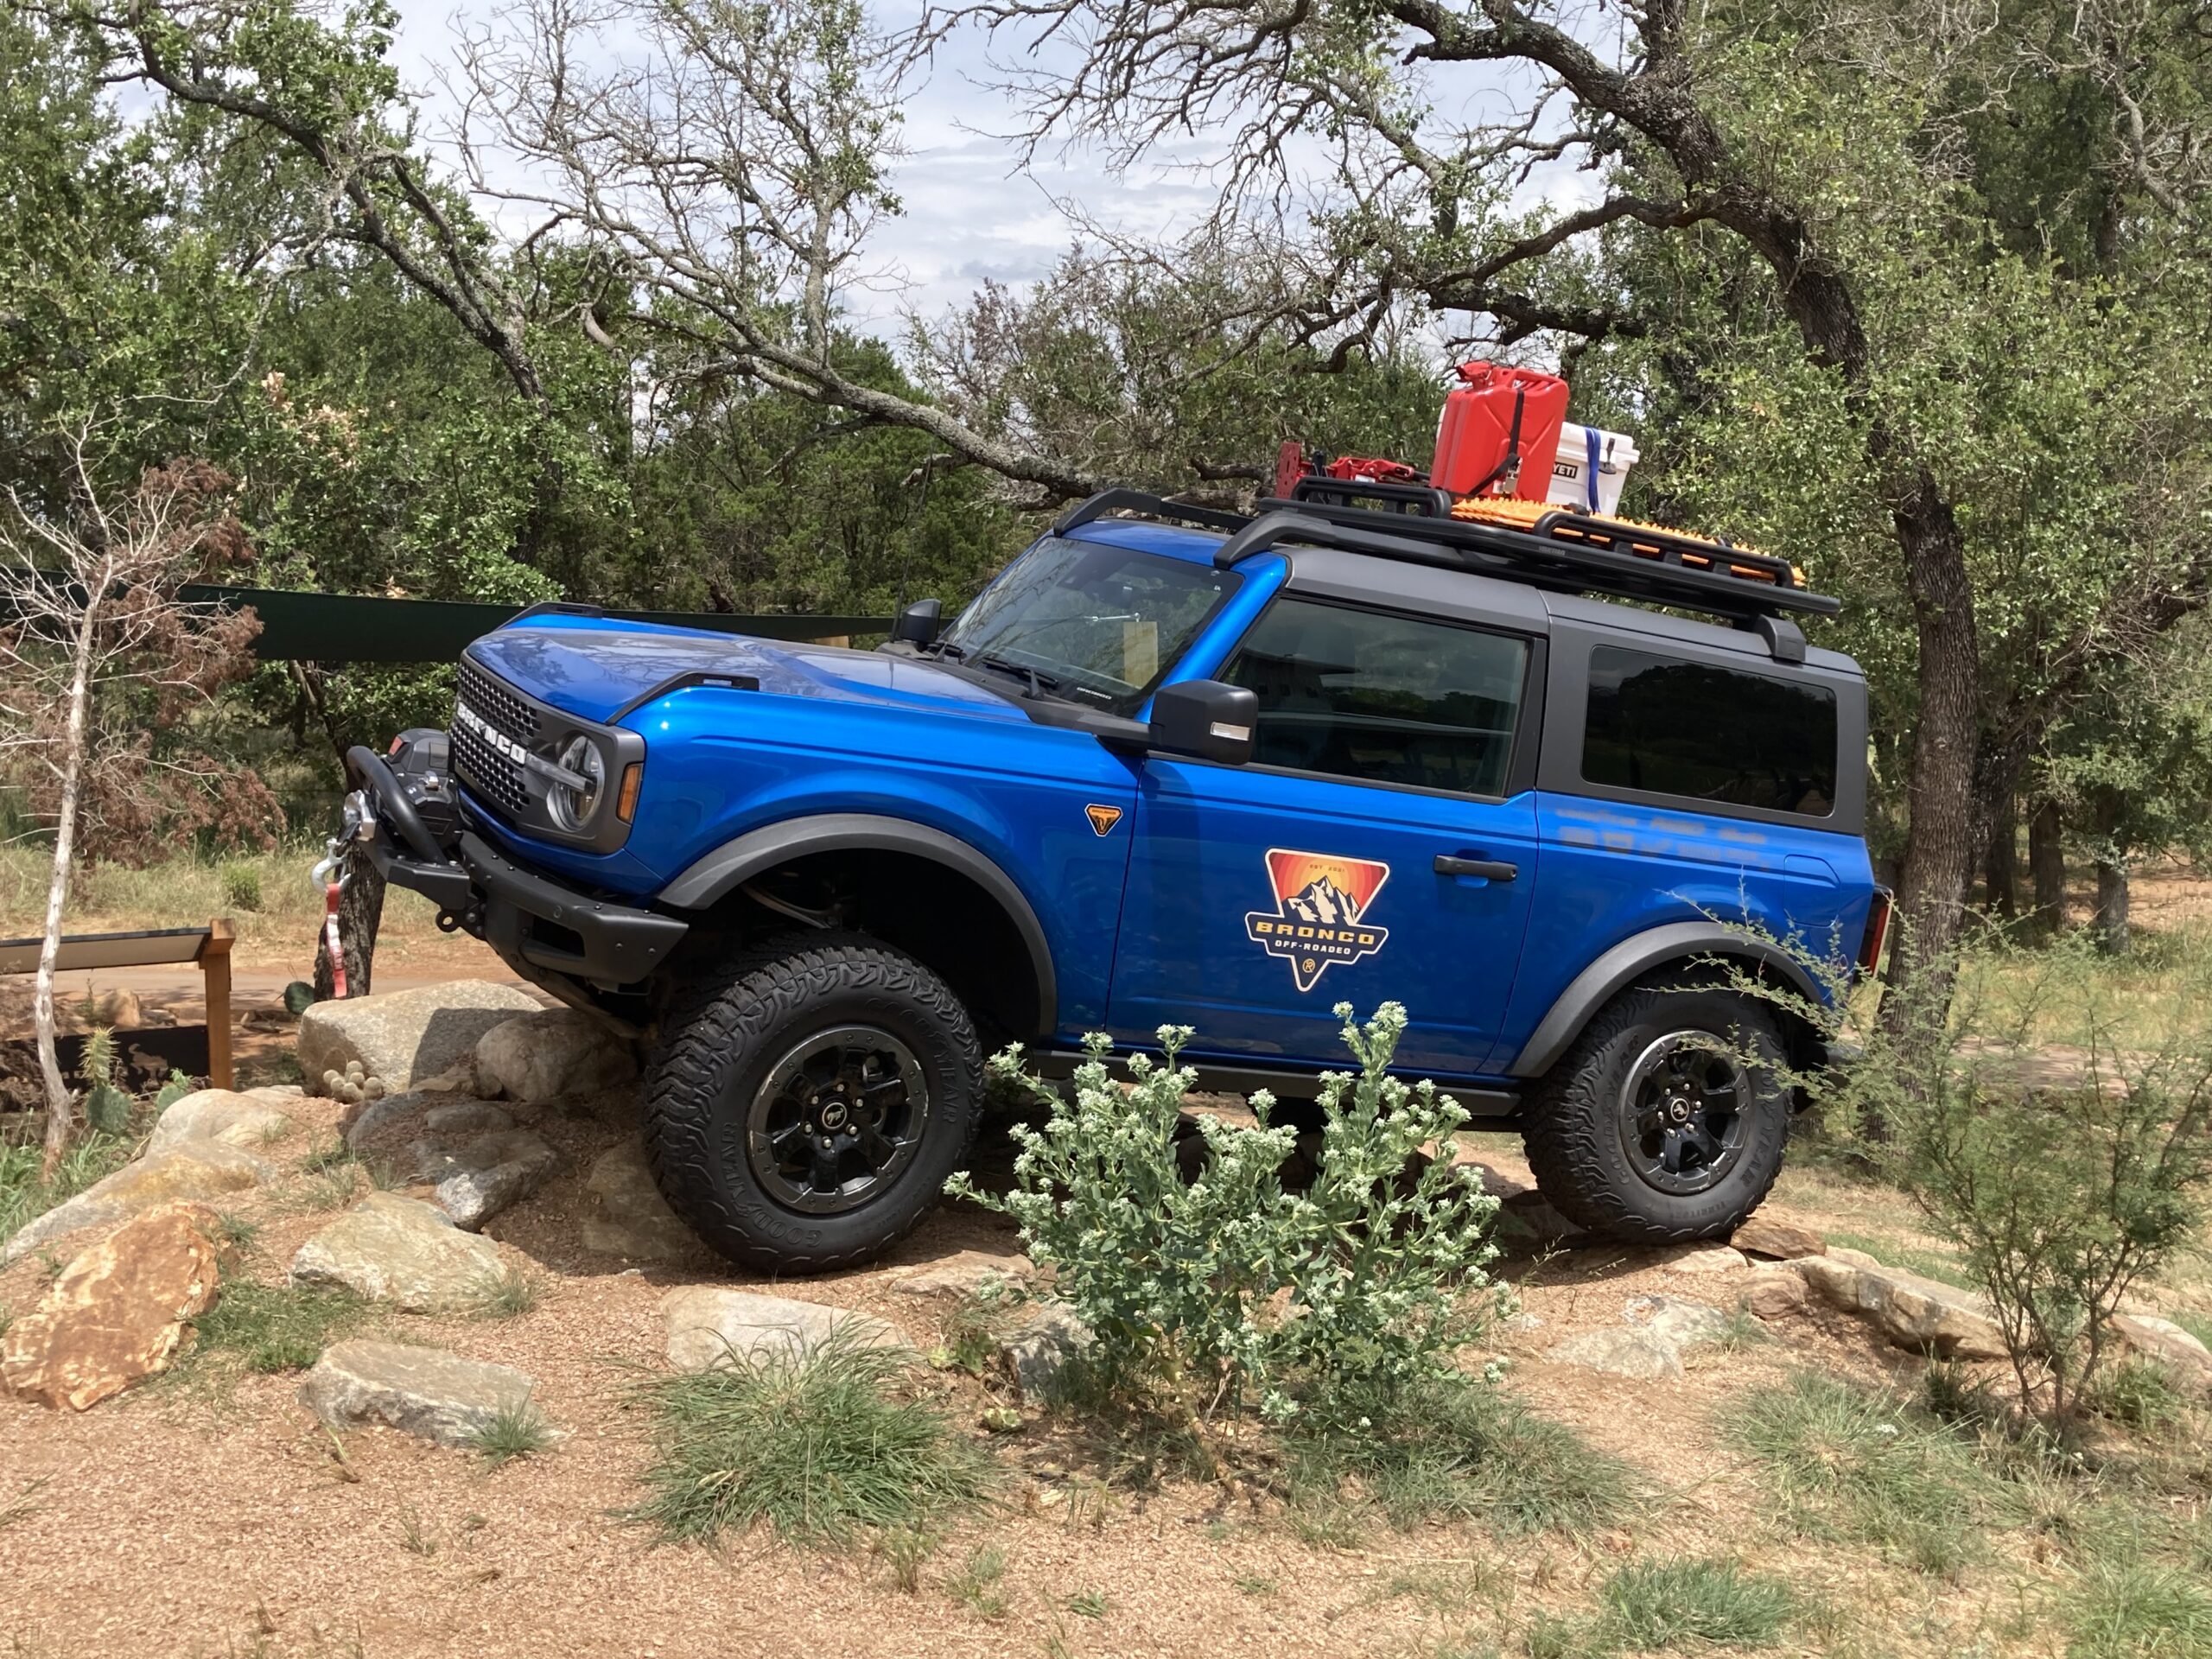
945 647
1040 682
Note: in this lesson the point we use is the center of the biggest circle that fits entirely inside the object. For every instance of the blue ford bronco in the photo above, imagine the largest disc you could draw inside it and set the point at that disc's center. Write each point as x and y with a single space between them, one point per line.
1177 765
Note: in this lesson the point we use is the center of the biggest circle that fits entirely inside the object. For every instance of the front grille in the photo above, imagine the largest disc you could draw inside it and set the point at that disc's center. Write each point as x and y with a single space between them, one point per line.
490 775
497 703
498 780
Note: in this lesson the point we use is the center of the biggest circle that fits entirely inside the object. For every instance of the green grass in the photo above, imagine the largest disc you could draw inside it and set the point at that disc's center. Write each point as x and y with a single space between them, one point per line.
517 1430
1460 1452
1088 1603
976 1586
508 1294
24 1197
268 1329
2140 1394
2196 1325
2139 1612
1847 1463
1650 1605
817 1446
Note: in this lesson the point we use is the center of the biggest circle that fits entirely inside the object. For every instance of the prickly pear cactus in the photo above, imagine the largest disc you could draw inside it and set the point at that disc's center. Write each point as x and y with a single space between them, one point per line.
107 1109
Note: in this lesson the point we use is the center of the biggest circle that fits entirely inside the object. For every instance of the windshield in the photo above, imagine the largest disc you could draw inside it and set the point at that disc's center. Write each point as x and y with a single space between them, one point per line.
1096 623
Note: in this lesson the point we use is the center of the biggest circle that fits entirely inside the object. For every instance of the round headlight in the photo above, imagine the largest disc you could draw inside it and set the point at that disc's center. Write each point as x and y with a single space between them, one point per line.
572 806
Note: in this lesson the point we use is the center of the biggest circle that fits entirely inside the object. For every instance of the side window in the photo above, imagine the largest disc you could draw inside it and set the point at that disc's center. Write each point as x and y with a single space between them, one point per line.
1384 699
1708 733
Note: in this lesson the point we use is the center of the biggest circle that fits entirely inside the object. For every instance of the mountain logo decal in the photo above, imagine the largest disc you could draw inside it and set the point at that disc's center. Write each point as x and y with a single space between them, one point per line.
1320 913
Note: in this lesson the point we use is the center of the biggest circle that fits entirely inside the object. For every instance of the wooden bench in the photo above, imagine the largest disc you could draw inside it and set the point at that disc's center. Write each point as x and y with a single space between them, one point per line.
207 948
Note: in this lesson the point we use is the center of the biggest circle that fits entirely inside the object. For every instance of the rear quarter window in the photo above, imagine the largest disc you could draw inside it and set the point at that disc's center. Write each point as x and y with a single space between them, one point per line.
1668 726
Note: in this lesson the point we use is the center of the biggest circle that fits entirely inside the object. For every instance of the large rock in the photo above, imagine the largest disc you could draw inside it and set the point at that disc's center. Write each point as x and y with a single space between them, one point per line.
401 1251
191 1171
1708 1259
426 1392
464 1120
1686 1324
964 1273
1778 1240
544 1056
1622 1351
402 1035
1772 1292
117 1312
2149 1336
475 1180
629 1217
709 1326
1052 1338
1921 1314
222 1116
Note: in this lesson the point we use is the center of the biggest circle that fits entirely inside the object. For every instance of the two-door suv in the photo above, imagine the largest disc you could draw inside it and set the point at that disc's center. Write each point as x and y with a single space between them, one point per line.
1175 766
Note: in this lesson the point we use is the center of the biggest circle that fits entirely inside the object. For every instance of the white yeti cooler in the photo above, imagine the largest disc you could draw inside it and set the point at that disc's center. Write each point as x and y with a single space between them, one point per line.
1591 466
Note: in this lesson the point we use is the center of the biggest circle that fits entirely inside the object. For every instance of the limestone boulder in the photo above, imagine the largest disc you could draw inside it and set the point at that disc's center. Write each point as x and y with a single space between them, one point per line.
191 1171
1708 1259
118 1312
1622 1351
543 1056
399 1036
1047 1342
473 1180
430 1392
462 1120
221 1115
2148 1336
1685 1324
628 1217
1770 1293
1777 1240
709 1326
964 1274
1923 1315
401 1251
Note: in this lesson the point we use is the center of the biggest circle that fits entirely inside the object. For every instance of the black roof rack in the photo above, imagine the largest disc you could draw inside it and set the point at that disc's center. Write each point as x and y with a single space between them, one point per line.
1412 523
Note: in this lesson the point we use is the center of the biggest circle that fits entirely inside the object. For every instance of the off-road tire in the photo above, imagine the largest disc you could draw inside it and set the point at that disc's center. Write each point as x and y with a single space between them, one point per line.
1570 1119
724 1034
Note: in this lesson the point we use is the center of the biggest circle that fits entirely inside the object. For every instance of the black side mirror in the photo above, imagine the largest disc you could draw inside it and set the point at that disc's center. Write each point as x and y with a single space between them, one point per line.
1205 718
919 623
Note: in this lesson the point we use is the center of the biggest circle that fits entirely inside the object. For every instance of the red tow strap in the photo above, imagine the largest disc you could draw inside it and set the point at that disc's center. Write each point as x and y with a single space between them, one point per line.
330 940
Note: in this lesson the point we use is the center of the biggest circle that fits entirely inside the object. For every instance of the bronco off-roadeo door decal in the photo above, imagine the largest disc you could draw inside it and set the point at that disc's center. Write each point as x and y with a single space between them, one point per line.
1320 913
1102 818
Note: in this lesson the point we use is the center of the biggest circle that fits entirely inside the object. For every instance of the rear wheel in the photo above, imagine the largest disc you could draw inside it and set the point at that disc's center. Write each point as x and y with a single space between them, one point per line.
810 1101
1667 1119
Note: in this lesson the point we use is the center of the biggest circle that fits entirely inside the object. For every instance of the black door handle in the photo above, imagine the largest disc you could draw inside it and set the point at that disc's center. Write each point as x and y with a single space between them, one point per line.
1491 868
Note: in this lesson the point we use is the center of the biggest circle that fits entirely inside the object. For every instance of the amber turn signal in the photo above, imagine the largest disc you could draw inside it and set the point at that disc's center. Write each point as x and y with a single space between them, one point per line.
625 802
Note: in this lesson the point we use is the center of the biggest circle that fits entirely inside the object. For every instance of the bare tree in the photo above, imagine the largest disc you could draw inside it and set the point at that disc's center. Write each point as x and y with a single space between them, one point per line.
96 650
733 159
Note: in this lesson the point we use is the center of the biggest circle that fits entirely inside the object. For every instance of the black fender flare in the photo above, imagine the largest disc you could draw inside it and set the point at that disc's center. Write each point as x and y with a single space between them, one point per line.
721 872
1628 961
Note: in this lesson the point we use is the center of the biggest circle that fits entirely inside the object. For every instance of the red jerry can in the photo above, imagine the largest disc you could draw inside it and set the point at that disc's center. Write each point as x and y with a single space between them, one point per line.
1499 432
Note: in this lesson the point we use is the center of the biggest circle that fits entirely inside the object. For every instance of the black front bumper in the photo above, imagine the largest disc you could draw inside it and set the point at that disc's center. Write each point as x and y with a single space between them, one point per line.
545 930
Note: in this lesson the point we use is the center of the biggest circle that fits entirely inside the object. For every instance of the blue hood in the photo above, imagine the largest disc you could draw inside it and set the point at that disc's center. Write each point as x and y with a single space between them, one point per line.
595 668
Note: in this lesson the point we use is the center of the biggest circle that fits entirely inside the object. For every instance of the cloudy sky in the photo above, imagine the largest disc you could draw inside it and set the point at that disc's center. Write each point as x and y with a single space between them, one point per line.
971 213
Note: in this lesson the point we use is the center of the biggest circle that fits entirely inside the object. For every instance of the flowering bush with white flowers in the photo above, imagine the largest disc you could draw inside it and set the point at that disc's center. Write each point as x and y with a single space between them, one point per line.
1230 1291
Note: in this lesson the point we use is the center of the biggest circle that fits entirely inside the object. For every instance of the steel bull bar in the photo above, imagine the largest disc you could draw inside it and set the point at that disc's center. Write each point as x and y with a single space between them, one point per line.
539 927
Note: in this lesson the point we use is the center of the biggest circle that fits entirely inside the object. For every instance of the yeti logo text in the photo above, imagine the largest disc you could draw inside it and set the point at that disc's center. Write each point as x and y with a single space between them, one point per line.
1320 913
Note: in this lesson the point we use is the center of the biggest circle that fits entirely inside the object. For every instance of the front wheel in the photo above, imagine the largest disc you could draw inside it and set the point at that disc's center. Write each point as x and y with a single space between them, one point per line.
810 1100
1665 1120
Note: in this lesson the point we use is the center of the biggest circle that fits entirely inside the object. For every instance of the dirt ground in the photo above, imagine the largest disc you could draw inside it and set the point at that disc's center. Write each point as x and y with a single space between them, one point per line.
194 1517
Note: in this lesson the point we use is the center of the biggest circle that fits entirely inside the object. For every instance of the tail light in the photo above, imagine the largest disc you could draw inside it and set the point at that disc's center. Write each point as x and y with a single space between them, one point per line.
1877 930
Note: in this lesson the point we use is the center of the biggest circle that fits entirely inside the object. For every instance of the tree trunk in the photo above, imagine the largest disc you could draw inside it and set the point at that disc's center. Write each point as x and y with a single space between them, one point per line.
2047 869
60 1103
2001 865
2111 909
1940 845
360 912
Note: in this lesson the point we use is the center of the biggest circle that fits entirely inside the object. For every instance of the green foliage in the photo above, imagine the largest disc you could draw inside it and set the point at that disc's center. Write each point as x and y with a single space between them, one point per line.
241 887
1230 1291
816 1445
175 1089
508 1294
976 1585
2139 1610
1653 1604
266 1329
516 1430
1455 1450
25 1195
1843 1462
